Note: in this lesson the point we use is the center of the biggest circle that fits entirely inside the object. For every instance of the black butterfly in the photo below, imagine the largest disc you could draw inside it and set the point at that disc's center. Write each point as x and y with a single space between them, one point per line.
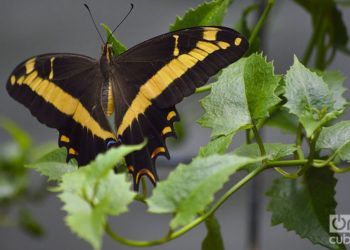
75 93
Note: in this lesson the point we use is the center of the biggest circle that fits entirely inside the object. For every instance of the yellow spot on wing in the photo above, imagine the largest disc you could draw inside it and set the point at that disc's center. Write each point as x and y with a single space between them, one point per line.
170 115
51 65
131 169
64 102
72 151
238 41
176 48
207 46
166 130
157 151
13 79
223 45
147 172
64 139
30 65
210 34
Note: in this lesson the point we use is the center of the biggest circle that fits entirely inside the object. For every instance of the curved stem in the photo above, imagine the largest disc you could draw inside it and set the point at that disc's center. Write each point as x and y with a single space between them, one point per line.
335 169
183 230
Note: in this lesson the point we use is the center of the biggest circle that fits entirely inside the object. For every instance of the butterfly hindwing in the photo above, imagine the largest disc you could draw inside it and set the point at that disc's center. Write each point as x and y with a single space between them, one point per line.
64 92
152 77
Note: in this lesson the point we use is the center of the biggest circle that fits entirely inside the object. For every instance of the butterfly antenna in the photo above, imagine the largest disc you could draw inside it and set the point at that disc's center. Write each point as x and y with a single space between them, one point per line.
131 8
93 20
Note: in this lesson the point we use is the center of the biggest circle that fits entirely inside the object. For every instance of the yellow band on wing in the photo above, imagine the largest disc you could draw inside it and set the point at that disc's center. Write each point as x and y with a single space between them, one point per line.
163 78
62 101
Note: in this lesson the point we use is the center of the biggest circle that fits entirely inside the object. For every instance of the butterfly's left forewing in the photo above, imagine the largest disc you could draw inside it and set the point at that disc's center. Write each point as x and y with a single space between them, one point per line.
151 78
64 92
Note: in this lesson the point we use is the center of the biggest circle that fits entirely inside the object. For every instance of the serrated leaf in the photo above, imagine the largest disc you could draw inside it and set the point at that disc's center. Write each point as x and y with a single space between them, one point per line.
335 81
337 139
309 98
274 151
207 13
245 91
58 155
213 239
117 46
304 205
217 145
53 170
190 188
93 192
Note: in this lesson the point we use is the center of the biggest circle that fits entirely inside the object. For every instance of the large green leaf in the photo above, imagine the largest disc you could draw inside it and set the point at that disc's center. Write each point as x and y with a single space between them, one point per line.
207 13
190 188
304 205
337 139
283 120
93 192
309 98
245 91
213 240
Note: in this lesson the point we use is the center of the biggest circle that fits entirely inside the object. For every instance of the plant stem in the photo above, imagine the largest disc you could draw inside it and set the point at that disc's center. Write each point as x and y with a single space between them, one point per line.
299 142
189 226
204 88
312 41
335 169
261 21
259 140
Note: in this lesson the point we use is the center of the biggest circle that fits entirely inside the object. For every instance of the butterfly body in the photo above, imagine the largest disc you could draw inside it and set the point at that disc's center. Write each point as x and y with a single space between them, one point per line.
75 94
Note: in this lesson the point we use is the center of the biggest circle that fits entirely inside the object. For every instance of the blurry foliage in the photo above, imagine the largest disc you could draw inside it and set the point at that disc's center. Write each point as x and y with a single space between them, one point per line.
246 96
16 190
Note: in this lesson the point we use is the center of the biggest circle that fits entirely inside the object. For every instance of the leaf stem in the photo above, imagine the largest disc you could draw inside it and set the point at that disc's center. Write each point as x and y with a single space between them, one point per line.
204 88
299 142
194 223
261 21
259 140
335 169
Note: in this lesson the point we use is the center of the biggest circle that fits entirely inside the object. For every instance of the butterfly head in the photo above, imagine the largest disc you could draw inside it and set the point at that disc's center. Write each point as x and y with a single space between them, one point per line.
107 51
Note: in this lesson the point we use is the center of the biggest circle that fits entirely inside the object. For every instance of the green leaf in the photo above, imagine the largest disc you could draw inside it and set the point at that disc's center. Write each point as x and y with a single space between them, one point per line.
207 13
93 192
217 145
245 91
304 205
58 155
118 47
190 188
53 170
274 151
309 98
337 139
213 240
335 81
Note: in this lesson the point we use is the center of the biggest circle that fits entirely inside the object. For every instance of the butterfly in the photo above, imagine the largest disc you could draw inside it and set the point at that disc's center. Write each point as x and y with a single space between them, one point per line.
76 94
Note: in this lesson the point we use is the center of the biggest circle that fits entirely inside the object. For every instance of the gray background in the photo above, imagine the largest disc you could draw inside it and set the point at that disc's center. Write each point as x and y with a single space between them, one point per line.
33 27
